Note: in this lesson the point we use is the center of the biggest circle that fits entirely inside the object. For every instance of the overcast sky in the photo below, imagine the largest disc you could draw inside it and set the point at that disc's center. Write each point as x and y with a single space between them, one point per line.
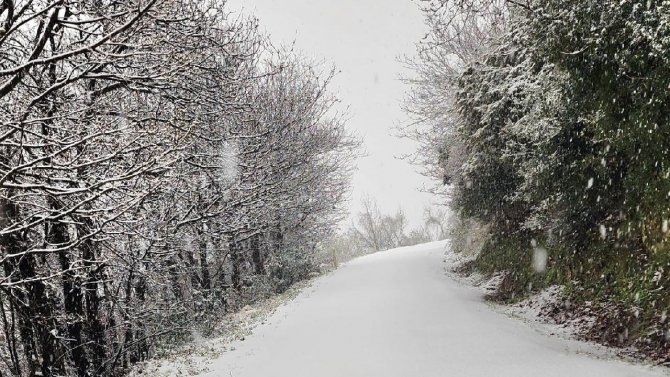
363 39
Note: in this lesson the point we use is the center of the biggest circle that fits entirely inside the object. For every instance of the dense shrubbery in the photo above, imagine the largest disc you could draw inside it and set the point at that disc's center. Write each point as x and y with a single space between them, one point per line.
161 164
555 133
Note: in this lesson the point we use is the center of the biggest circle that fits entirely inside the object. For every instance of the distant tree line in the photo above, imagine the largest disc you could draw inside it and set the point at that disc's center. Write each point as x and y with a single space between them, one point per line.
373 230
549 122
161 164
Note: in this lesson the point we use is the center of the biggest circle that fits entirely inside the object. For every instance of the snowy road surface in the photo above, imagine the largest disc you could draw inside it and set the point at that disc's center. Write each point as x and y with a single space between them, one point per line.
396 313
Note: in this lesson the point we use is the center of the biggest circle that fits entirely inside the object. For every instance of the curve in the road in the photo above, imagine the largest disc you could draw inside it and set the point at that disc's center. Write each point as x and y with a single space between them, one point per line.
396 313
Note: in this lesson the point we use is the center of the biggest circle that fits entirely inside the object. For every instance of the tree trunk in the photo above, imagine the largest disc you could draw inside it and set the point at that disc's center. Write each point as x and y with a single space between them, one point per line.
94 274
236 260
256 255
205 277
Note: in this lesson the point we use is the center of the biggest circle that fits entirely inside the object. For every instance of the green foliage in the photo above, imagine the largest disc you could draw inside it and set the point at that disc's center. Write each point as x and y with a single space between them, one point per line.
615 128
487 103
565 122
513 255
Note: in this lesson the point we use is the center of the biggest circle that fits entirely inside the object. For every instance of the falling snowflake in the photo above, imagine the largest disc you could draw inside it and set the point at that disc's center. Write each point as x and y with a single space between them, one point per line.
540 259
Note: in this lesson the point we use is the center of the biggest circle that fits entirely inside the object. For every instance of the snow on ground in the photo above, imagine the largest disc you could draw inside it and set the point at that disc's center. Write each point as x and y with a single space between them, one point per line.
196 356
396 313
534 310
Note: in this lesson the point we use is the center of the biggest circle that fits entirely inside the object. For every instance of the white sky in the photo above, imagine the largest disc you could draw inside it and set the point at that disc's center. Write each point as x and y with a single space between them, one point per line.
363 38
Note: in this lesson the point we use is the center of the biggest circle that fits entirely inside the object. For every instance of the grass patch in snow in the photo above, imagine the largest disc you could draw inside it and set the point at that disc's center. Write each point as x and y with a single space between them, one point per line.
194 357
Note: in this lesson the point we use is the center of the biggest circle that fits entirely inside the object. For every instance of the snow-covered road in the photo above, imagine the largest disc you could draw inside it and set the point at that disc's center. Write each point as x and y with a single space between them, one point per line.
396 313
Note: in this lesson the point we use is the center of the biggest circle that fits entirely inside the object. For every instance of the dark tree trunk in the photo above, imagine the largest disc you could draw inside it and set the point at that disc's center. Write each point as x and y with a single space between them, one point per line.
31 300
257 255
11 245
39 314
140 295
57 235
189 262
278 239
94 327
20 305
205 277
235 255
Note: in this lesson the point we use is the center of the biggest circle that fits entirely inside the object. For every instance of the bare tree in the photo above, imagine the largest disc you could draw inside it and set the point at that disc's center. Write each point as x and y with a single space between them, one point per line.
376 230
460 33
147 156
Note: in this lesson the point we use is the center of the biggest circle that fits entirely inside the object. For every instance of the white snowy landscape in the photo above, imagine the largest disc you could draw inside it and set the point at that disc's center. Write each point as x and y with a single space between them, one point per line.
258 188
399 313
